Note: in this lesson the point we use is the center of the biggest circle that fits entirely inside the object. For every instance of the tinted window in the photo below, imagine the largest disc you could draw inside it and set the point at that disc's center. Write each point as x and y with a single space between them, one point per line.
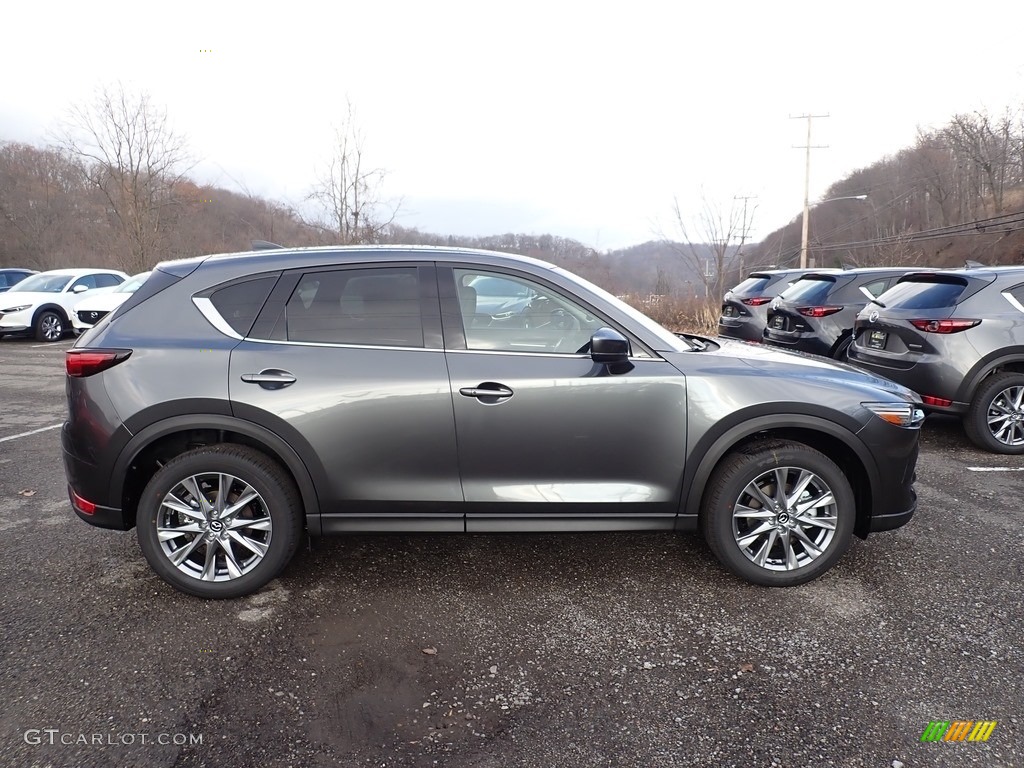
239 303
1018 294
378 307
527 317
108 281
813 290
753 285
924 293
3 280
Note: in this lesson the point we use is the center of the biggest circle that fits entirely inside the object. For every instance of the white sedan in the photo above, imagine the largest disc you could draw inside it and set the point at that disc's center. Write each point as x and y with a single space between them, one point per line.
90 311
44 303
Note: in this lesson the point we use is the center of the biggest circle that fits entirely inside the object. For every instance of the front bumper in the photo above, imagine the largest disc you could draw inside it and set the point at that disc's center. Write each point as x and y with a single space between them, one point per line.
893 499
15 322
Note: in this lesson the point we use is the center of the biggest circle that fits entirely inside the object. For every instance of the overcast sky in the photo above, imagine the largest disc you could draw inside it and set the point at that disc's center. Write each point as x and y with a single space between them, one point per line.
580 119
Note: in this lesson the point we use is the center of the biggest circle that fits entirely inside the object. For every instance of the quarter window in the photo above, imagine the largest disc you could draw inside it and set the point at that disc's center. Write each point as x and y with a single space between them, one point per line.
375 307
513 314
239 304
107 281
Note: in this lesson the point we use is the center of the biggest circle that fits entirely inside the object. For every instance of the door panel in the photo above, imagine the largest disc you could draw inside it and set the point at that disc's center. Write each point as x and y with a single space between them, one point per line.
380 421
570 434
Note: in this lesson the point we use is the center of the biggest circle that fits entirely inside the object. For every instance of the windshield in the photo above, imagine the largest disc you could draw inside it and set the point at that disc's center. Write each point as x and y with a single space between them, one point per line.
809 289
753 285
671 341
42 284
132 284
924 293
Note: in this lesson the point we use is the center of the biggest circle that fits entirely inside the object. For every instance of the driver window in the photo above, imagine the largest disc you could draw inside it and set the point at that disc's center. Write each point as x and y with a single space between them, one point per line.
513 314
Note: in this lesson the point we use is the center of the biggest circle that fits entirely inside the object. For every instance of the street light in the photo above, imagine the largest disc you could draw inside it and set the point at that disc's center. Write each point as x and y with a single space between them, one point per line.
807 218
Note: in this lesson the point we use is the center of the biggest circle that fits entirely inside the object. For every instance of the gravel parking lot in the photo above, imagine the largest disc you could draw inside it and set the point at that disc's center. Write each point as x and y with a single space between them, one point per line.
487 651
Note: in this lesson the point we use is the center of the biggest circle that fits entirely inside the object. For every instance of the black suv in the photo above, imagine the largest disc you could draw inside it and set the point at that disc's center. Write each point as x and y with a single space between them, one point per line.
360 389
745 307
957 338
816 313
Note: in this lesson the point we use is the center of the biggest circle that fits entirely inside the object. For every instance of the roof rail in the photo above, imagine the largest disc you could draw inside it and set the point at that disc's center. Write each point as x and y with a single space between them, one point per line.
264 245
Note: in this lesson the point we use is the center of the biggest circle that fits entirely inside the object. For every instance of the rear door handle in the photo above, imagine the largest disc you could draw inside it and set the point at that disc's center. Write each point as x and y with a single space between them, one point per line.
270 378
489 390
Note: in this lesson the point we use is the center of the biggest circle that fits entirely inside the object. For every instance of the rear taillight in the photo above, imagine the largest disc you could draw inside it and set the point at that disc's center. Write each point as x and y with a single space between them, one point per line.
755 301
940 401
86 362
817 311
949 325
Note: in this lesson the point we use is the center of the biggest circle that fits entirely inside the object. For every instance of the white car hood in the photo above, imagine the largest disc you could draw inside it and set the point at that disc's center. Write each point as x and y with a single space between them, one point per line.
105 302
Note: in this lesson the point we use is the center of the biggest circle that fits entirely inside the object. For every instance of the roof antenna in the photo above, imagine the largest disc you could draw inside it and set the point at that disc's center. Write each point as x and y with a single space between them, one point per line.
264 245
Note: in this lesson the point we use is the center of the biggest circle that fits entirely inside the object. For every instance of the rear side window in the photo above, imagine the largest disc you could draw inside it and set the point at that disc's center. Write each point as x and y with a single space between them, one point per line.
239 303
753 285
813 290
924 293
375 307
1018 294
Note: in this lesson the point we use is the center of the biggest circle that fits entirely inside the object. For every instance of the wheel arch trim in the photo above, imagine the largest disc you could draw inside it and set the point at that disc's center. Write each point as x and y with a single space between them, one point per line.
694 485
281 451
984 367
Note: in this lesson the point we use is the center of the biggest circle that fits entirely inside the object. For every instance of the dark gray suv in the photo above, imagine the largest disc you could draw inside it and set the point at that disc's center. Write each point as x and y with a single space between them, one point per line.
957 338
816 313
234 401
745 307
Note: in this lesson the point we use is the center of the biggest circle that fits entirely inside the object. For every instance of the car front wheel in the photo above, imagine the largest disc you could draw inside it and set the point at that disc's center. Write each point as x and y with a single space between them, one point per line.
778 513
995 420
49 326
219 521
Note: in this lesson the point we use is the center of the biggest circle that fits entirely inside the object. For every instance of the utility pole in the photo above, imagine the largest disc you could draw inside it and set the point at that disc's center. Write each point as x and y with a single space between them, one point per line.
746 229
807 184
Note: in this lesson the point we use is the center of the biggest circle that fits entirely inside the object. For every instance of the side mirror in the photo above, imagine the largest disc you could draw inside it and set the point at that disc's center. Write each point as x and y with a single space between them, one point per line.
79 289
609 347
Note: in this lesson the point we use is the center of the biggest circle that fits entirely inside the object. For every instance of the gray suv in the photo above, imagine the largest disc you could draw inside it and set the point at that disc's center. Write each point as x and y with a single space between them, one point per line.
235 401
745 307
957 338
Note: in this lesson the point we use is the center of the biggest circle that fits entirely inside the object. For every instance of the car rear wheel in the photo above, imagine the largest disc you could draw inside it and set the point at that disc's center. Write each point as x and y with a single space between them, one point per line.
219 521
995 420
778 513
50 326
841 351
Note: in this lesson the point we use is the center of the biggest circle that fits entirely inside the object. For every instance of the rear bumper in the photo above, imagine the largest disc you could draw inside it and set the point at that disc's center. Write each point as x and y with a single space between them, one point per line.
101 517
742 328
90 483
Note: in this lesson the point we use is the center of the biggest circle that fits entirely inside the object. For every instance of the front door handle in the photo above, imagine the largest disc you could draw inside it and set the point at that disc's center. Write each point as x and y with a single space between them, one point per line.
489 391
270 378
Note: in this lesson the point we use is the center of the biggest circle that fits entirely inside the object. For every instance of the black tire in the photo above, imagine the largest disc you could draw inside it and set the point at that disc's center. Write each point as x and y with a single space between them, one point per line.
1006 435
49 326
840 353
274 517
729 486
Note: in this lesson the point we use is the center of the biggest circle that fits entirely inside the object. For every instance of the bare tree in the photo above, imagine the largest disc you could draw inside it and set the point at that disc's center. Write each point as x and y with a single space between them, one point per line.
709 240
128 152
348 190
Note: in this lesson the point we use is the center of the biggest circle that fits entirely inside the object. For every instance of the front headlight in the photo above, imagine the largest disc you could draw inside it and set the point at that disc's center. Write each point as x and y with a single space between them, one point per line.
15 309
901 414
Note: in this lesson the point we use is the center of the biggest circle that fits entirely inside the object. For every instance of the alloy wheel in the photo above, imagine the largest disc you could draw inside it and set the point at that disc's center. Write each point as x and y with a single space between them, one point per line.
214 527
785 519
1005 416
